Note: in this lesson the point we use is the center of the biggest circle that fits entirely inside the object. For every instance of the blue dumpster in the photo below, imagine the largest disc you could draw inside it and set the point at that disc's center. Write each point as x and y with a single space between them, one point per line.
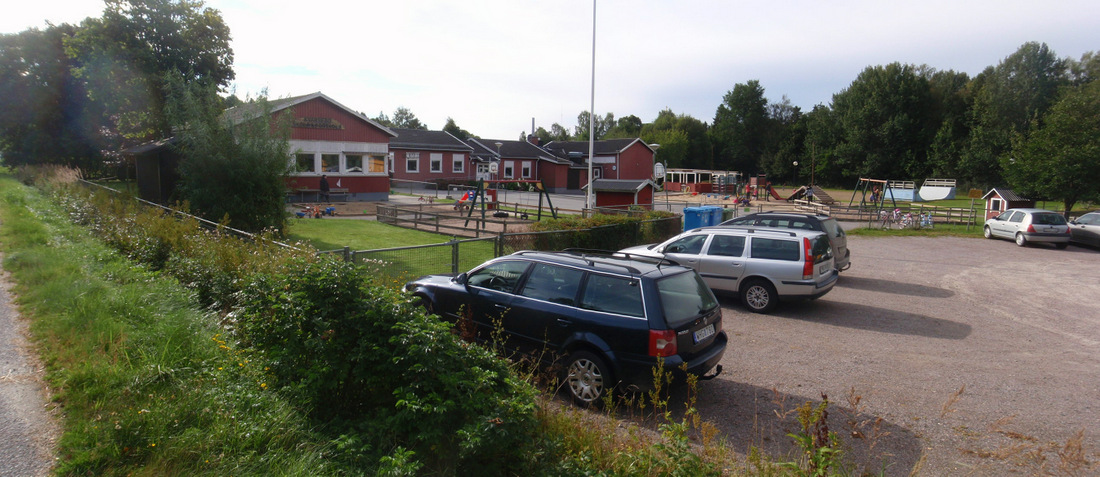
694 217
714 214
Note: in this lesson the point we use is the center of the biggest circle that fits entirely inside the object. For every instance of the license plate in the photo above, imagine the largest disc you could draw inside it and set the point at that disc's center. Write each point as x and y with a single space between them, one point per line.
704 333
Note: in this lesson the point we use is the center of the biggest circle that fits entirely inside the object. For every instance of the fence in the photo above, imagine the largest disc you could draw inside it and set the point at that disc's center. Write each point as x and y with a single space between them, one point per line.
457 255
940 215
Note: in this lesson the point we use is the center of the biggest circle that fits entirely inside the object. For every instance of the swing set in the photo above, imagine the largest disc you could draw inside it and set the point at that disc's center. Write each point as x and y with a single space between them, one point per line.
478 195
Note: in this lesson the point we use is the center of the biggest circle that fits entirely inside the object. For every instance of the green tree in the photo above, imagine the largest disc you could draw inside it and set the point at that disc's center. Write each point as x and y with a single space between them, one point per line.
1008 98
45 116
951 100
126 56
671 128
1060 158
456 131
233 166
785 142
887 123
823 133
405 119
739 129
625 127
602 126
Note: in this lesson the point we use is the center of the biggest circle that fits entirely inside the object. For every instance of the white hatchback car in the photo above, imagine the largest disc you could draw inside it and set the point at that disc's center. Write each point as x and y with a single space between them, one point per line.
762 265
1029 225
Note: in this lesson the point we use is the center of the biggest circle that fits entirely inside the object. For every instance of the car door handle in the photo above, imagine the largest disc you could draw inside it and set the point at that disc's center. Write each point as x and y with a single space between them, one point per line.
564 322
500 307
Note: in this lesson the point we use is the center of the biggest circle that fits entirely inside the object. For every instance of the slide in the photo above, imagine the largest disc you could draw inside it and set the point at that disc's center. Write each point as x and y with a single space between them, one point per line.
774 193
798 193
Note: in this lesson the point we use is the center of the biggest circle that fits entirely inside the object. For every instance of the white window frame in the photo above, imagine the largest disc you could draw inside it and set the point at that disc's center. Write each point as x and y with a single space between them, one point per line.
313 169
597 172
435 166
526 170
508 169
389 163
345 166
415 157
458 163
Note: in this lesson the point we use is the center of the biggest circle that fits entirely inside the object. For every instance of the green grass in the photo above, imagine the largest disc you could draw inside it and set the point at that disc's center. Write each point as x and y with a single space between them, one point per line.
147 382
334 234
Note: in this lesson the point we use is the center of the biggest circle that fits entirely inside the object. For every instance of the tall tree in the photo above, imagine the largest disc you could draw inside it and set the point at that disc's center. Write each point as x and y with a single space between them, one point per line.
886 119
456 131
1060 158
671 128
45 116
784 145
602 126
625 127
1009 96
230 172
405 119
740 125
128 54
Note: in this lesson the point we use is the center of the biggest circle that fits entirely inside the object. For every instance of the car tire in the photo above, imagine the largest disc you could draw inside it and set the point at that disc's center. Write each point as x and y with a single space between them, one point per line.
587 378
759 296
1062 246
987 233
1021 240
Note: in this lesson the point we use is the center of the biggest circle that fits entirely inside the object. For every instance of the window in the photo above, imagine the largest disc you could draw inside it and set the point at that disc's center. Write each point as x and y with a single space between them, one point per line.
412 162
389 157
613 295
995 204
1017 217
727 246
501 276
458 163
692 244
304 162
553 283
330 162
597 172
354 162
684 297
772 249
376 163
525 172
508 169
436 162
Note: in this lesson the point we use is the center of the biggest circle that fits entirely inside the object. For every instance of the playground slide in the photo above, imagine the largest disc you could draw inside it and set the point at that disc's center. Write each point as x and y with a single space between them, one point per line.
774 193
936 192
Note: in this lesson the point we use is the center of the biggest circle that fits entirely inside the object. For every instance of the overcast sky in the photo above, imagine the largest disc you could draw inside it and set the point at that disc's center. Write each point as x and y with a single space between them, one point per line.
493 65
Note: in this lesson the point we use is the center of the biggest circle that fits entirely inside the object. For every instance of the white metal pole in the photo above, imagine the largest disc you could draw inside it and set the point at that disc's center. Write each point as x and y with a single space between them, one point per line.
592 114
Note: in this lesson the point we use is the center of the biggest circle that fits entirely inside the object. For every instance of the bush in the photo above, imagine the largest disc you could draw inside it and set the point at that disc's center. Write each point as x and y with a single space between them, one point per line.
364 358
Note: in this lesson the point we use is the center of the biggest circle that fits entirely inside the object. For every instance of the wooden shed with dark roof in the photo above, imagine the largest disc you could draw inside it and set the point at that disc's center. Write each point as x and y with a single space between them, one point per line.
998 200
623 193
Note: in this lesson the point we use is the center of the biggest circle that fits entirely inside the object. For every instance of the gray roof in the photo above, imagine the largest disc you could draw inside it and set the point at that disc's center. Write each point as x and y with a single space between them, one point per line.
244 112
619 185
516 150
1006 194
427 140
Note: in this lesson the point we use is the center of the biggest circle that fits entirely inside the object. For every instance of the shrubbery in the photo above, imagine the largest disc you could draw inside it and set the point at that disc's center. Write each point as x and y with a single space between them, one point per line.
605 232
364 357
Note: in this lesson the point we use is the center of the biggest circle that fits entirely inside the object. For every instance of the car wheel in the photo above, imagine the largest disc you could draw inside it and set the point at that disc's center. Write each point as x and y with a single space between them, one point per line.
759 296
988 233
1062 246
1021 240
587 378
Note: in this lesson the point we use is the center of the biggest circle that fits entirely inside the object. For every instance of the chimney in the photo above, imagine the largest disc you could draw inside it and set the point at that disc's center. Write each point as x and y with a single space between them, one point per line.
533 138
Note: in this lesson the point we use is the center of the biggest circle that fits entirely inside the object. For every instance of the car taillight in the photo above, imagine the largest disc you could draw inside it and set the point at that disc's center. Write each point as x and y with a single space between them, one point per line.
808 264
662 343
1030 228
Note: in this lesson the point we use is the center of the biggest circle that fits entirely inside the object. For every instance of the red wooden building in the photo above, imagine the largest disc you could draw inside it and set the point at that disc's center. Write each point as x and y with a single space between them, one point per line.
521 160
431 156
623 193
626 159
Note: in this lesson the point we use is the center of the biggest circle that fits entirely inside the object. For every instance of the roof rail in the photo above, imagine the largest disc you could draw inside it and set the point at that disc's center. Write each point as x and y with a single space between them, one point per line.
750 229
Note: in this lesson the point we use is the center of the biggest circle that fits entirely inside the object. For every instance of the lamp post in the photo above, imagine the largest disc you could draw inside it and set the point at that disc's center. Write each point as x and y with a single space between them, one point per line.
499 158
592 114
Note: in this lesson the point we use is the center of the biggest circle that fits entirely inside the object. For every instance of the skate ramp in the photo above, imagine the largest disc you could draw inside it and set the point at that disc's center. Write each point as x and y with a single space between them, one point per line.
936 192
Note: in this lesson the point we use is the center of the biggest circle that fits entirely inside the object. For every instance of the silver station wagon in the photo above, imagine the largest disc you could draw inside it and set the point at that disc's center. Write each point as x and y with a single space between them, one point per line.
761 265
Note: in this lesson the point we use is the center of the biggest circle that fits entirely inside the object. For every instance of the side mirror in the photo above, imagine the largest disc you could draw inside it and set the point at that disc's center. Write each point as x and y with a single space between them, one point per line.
460 278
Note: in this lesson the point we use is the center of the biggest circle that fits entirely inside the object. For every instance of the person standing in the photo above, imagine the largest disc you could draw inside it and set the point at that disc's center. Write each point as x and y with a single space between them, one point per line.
324 188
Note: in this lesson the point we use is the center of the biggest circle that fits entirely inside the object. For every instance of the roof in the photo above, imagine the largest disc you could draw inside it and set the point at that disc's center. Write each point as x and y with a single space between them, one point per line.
150 146
1006 194
244 112
427 140
516 150
576 151
620 185
605 261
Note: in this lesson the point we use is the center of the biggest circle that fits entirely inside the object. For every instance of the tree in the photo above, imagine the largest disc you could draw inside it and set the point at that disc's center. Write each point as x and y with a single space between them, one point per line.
1009 97
625 127
558 133
602 126
230 172
404 118
45 116
456 131
740 124
669 129
887 123
784 142
126 56
1060 158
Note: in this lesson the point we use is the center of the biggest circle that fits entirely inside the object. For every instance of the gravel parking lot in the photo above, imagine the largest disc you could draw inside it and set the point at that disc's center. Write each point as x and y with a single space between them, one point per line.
968 357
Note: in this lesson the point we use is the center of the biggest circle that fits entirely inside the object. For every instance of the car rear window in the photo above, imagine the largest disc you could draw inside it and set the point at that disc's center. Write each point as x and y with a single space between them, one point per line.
1048 219
684 297
832 227
774 249
613 295
821 249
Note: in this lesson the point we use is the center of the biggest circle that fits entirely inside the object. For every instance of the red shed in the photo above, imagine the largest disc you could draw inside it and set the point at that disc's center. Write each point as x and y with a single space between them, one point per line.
623 193
1000 200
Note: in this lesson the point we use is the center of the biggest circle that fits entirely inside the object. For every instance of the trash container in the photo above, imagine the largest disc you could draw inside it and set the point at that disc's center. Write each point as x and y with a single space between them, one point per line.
694 217
715 214
727 214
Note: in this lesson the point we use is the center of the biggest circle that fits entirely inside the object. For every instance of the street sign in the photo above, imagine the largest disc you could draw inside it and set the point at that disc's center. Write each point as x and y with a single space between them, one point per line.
975 194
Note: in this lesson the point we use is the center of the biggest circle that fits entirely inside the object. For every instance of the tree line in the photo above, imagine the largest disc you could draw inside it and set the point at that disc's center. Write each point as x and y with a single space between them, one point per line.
78 94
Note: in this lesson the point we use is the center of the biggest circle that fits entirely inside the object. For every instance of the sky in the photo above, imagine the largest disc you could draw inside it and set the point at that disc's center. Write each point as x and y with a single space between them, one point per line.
494 65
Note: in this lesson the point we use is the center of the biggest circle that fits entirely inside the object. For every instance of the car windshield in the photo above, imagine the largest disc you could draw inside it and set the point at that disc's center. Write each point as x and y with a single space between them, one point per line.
1048 219
684 297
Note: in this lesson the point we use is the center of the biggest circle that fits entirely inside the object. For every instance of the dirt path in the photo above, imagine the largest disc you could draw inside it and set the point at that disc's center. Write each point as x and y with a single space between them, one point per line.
27 431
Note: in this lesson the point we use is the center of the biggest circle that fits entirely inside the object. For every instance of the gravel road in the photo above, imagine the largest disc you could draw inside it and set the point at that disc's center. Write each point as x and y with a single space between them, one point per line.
27 432
915 321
